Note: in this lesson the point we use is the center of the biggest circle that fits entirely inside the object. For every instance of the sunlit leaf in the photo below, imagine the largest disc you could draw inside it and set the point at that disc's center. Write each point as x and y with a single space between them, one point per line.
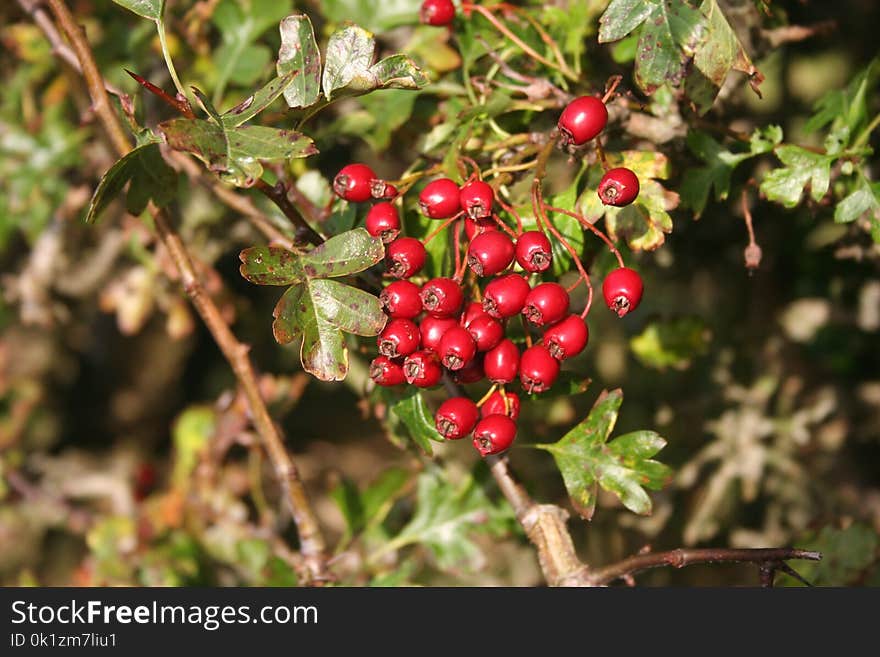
299 56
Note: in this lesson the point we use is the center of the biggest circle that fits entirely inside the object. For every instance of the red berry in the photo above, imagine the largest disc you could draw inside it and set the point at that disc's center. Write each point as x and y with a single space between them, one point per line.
618 187
473 228
383 221
502 362
567 338
401 299
432 330
406 256
422 369
494 434
622 290
457 348
441 297
385 372
476 199
354 183
439 199
400 337
472 372
547 303
495 404
382 190
486 332
537 369
437 12
490 253
582 120
473 310
533 251
456 418
505 296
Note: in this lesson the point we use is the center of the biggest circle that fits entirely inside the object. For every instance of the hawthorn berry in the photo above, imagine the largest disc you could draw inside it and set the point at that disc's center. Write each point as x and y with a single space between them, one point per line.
501 363
473 228
546 304
456 418
494 434
457 348
472 372
383 222
537 369
505 296
618 187
354 182
406 256
401 299
441 297
422 369
432 329
567 338
382 190
490 253
473 310
385 372
496 404
582 120
476 199
440 199
533 251
400 337
622 290
437 12
486 332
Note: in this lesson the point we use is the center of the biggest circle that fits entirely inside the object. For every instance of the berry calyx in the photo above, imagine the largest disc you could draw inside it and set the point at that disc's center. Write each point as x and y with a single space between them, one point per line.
382 190
401 299
441 297
494 434
501 363
422 369
440 199
406 256
490 253
567 338
505 296
486 332
354 183
383 222
456 418
457 348
622 290
473 228
582 120
537 369
437 12
618 187
432 330
476 199
547 303
400 337
495 405
533 251
385 372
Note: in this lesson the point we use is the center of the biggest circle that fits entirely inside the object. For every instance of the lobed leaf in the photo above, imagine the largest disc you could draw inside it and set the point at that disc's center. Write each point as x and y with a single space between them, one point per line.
299 56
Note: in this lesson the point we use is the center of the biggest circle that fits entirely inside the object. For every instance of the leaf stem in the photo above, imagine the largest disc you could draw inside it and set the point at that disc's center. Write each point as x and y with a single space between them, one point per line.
172 71
865 134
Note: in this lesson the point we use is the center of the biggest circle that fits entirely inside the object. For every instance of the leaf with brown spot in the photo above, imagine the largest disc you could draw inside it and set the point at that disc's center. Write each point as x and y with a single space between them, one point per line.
299 55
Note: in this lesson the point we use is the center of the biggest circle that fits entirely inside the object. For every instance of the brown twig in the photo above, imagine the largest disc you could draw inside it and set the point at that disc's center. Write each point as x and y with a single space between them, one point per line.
278 195
311 541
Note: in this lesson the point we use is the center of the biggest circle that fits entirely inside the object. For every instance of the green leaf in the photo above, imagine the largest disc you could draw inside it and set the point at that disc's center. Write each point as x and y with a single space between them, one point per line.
375 16
846 107
645 223
271 265
191 434
410 412
622 17
668 43
847 554
672 343
299 56
786 184
150 178
344 254
856 204
623 466
359 509
256 103
151 9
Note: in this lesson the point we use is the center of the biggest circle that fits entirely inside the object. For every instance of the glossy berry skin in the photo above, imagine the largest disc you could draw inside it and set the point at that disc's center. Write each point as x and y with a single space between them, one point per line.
400 337
494 434
385 372
495 405
439 199
486 332
622 290
422 369
383 222
505 296
476 199
382 190
567 338
457 348
400 299
441 297
618 187
456 418
546 304
490 253
582 120
472 310
406 256
354 183
437 12
537 369
473 228
432 330
533 251
472 372
501 363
